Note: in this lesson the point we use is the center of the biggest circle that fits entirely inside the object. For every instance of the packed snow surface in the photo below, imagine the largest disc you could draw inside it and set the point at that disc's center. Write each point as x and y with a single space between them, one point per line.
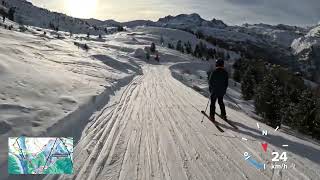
155 132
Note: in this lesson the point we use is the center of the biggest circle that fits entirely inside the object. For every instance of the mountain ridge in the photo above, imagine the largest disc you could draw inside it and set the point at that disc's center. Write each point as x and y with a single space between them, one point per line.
282 43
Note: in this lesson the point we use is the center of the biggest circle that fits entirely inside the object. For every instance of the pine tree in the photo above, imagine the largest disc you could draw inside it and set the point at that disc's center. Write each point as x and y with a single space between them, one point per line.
51 26
179 46
120 28
248 84
188 47
199 34
11 13
237 75
306 113
267 100
202 48
197 52
317 119
211 53
228 56
238 68
207 57
161 40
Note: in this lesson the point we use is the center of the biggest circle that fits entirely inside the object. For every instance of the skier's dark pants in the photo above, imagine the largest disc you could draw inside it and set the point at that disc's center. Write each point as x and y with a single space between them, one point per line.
213 105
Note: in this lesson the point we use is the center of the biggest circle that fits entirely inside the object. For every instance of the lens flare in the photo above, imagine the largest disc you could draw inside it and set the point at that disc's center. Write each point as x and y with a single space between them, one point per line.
81 8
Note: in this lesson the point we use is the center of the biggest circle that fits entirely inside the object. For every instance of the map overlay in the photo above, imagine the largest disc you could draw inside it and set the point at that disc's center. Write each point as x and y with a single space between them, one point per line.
30 155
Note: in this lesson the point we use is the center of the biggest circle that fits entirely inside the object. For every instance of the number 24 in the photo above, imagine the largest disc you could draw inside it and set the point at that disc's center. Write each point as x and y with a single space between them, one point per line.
282 157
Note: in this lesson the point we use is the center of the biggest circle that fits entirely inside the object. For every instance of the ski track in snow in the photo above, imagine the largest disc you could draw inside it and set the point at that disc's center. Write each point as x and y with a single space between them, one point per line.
155 133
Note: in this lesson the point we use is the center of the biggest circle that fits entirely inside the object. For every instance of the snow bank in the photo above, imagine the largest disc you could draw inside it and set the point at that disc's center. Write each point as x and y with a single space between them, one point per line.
50 87
139 53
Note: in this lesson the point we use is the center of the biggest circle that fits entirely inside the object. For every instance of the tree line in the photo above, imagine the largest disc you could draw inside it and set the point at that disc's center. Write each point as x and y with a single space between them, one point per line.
280 96
201 50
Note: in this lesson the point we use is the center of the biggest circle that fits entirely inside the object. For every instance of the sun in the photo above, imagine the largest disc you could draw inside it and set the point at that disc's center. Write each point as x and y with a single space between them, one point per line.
81 8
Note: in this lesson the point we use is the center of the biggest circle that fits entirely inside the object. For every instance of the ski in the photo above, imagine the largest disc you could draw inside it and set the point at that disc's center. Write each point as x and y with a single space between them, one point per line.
215 123
228 121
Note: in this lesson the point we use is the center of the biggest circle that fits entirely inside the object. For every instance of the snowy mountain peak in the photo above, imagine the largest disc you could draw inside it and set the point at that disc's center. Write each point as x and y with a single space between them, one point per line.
189 21
314 32
181 18
218 22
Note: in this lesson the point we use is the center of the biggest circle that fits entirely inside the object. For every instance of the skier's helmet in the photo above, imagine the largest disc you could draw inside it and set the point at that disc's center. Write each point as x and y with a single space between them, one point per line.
219 63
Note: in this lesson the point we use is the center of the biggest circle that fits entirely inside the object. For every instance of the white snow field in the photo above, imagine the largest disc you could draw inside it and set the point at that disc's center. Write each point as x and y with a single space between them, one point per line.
138 121
51 87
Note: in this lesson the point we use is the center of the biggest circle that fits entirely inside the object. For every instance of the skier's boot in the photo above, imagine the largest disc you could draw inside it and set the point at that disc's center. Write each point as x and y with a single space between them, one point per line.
212 119
224 117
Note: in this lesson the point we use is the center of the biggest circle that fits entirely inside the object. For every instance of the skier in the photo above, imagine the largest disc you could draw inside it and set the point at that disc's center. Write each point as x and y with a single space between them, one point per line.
218 84
3 18
148 56
157 58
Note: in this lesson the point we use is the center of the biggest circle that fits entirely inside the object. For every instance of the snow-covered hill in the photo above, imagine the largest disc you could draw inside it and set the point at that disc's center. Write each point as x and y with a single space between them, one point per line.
304 43
307 50
282 35
50 86
28 14
153 130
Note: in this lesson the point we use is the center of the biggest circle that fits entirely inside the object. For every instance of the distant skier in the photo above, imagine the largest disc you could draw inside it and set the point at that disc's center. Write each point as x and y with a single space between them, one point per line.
218 84
3 18
148 56
157 58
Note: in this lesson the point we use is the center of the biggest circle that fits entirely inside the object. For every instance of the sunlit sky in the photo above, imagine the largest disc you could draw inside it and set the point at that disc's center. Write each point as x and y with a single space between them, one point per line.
294 12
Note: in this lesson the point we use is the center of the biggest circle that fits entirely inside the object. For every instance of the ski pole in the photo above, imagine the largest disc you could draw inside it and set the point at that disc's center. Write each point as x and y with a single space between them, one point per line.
208 99
205 110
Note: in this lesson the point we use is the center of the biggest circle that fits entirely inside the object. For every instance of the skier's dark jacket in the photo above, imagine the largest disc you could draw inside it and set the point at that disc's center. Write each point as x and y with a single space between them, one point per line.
218 82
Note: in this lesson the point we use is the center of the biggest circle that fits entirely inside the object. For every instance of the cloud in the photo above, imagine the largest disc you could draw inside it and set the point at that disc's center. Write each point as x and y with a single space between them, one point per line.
280 11
245 2
294 12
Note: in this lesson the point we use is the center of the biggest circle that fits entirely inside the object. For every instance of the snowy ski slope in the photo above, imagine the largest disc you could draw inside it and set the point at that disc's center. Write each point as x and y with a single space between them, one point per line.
142 127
